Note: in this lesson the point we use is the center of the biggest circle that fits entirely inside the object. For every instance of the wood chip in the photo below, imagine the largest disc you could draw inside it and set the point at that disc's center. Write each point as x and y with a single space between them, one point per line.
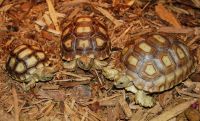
84 116
188 93
95 115
43 25
45 110
114 114
46 35
16 104
173 112
53 14
69 114
62 15
6 8
167 15
67 84
47 19
74 2
73 13
109 16
26 6
124 105
196 2
175 30
137 116
123 34
192 114
4 116
1 1
195 39
104 99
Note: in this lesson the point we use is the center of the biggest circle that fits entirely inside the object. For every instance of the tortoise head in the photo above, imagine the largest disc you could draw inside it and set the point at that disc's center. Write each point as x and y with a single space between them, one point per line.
85 62
123 81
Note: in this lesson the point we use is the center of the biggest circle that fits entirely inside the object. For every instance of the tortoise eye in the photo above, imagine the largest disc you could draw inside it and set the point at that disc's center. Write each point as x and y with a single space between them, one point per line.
81 62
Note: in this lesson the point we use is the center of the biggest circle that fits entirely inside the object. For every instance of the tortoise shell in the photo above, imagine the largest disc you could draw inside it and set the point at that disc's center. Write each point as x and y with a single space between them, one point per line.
24 60
85 36
157 63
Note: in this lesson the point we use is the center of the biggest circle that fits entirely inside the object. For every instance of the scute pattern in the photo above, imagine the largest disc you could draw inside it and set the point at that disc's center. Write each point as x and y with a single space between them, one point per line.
85 36
157 63
24 60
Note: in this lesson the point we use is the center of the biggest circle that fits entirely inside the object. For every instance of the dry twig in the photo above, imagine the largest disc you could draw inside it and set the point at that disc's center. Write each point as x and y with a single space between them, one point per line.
167 16
165 116
16 104
109 16
53 14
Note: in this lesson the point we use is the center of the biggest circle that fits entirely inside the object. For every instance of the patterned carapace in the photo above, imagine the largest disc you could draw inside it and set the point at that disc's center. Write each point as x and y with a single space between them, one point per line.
24 60
85 36
157 63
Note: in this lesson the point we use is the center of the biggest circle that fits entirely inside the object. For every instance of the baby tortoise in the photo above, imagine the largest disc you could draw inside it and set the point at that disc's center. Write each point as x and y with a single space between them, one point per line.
85 44
153 65
29 64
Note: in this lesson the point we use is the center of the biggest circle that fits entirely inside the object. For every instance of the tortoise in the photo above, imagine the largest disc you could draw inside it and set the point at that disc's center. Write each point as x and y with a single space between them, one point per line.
84 44
29 64
155 64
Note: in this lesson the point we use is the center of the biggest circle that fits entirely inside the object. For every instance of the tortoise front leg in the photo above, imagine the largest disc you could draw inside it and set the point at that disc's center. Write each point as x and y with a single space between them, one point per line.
70 65
31 82
110 73
41 74
99 64
141 97
121 80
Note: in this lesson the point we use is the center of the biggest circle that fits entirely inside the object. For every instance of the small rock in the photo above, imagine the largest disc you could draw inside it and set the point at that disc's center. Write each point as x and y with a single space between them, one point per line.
82 93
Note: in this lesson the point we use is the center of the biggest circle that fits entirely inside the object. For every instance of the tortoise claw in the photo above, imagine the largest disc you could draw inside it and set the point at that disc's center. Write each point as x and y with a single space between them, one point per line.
110 73
31 83
143 99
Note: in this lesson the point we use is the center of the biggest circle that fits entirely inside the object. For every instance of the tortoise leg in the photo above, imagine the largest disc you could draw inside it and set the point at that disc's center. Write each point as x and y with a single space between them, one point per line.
70 66
31 82
124 81
46 73
99 64
41 74
141 97
121 80
110 73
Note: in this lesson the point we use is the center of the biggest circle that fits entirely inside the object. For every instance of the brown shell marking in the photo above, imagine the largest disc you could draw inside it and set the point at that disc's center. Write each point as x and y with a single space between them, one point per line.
24 60
158 63
85 36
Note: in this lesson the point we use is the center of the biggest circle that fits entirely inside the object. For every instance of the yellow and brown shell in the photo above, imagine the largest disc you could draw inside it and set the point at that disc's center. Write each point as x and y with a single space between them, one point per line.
24 60
85 36
157 63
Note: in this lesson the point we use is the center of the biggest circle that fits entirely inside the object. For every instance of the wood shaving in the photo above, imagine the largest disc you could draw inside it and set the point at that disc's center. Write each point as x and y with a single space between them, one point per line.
167 16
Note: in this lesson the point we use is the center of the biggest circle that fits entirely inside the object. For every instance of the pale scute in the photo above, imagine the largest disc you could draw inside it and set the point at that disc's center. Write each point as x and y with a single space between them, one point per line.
20 68
24 53
31 61
99 41
145 47
83 29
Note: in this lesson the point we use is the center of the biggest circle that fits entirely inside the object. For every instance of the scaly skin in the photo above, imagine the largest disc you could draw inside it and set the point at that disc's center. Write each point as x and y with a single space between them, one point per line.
124 81
85 63
41 74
